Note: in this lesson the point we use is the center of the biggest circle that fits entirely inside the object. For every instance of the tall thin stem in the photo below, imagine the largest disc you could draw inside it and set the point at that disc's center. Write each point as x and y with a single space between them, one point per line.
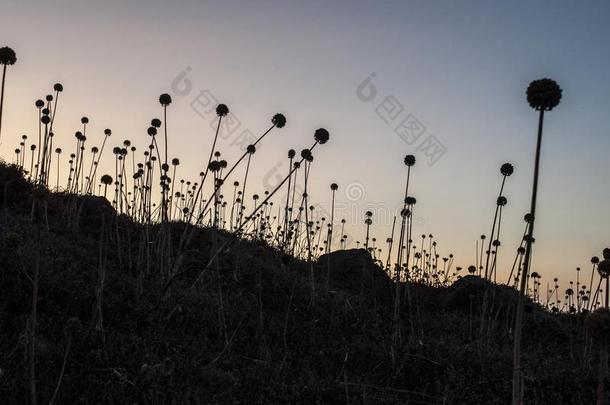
2 97
517 375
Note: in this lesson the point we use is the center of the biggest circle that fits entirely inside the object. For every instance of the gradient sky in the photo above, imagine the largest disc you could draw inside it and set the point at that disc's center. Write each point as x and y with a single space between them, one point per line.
460 67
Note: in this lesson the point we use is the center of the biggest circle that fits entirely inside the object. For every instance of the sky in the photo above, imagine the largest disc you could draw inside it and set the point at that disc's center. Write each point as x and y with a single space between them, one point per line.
459 69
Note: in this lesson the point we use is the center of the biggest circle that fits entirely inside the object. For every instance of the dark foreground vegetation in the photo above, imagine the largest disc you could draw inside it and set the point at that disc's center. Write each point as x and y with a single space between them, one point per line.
88 315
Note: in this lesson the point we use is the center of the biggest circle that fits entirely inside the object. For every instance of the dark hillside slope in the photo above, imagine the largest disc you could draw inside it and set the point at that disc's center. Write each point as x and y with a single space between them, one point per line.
254 328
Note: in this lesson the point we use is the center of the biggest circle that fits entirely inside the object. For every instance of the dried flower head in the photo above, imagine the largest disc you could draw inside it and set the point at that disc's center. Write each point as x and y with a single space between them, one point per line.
7 56
321 135
279 120
603 268
165 99
507 169
306 154
543 94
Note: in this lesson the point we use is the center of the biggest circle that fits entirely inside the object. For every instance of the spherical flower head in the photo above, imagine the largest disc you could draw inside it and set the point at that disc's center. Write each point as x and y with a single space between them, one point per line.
502 201
45 111
595 260
236 183
165 167
222 110
334 186
472 269
291 153
528 218
214 166
306 154
175 161
152 131
165 99
7 56
84 120
106 179
251 149
368 214
58 87
410 200
279 120
45 119
107 132
223 164
321 135
410 160
155 122
49 97
58 151
496 243
603 268
39 103
521 250
543 94
368 221
507 169
606 254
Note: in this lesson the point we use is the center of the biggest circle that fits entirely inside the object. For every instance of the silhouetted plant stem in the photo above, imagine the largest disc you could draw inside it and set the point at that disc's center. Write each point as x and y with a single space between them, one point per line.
62 371
603 371
241 226
517 391
2 96
243 191
396 335
205 173
33 326
542 95
493 229
391 242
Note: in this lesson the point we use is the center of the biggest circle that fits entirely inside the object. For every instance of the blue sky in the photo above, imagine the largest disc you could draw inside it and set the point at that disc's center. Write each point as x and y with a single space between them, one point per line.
460 67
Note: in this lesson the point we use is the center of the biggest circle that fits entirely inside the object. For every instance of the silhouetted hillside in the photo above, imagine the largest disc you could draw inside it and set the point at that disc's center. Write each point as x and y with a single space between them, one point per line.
255 326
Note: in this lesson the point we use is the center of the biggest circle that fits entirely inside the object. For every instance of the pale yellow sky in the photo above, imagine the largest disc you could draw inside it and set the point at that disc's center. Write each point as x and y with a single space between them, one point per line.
461 71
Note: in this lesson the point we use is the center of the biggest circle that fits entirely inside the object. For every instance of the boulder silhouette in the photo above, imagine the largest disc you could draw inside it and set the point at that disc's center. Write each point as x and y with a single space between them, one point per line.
353 271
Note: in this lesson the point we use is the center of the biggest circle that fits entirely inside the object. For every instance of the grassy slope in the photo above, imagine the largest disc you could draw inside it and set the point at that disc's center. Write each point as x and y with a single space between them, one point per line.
252 331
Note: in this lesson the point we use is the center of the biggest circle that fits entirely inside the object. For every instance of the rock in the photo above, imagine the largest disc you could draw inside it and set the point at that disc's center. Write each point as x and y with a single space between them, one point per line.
353 271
